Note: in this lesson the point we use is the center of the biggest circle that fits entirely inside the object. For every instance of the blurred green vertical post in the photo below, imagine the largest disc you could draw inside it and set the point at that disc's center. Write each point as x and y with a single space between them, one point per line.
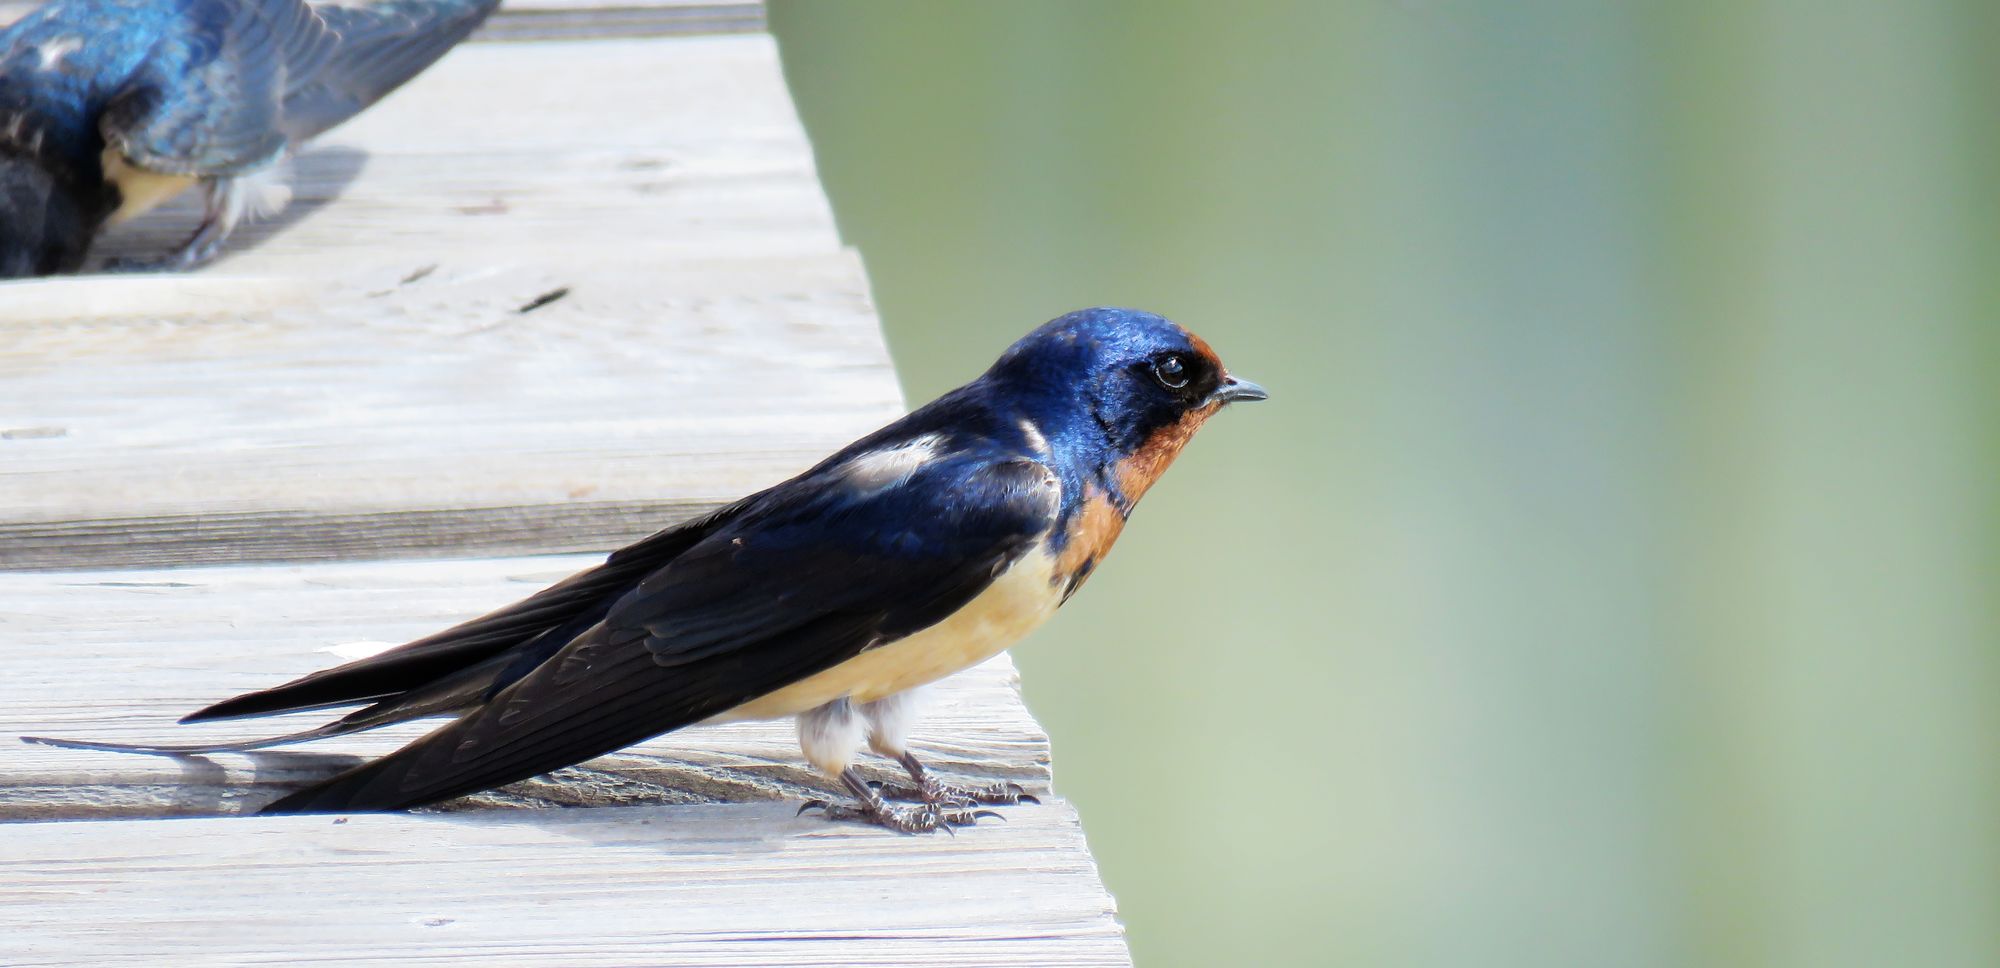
1835 275
1610 579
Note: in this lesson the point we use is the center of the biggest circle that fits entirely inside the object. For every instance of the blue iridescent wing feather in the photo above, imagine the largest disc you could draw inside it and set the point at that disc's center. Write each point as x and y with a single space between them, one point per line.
806 576
219 87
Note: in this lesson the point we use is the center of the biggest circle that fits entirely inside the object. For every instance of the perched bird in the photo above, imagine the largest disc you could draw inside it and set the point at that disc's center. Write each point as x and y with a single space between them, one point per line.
918 551
110 107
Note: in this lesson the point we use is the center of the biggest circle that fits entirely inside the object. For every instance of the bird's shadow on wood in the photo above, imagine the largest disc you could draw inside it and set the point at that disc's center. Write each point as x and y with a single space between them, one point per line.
679 830
206 787
317 176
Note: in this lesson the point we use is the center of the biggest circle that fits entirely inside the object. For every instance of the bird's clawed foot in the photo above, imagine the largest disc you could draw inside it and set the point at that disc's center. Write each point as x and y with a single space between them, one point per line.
936 794
929 790
911 820
870 808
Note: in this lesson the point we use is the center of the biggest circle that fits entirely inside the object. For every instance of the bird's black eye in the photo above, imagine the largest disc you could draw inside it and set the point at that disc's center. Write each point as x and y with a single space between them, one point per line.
1171 372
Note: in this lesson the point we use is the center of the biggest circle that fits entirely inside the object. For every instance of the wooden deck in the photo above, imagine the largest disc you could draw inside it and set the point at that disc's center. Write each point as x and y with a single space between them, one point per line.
364 375
552 296
691 853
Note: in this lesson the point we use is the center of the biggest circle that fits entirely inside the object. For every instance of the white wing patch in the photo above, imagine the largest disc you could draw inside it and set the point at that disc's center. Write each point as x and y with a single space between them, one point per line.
1036 442
51 54
890 466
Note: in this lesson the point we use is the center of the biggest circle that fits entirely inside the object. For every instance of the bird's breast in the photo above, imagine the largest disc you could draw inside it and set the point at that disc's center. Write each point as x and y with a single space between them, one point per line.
1017 601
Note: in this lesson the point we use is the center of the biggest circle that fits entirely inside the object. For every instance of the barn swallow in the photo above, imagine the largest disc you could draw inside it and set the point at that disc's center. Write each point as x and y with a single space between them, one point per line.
110 107
919 550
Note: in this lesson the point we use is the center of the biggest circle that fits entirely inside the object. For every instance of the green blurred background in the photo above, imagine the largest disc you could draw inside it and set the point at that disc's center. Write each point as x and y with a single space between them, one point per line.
1611 579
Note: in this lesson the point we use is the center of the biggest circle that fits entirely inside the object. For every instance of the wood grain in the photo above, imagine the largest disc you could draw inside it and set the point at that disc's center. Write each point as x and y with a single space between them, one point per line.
695 857
743 884
503 315
551 296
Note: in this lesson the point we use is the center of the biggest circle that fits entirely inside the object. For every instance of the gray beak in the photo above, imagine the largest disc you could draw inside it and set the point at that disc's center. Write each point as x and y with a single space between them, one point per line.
1233 389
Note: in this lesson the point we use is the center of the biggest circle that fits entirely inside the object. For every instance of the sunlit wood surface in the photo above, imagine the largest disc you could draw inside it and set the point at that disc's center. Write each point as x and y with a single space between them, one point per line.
550 297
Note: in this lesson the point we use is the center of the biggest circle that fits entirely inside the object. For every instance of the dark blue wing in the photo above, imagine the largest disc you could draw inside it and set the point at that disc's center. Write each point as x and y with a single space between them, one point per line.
210 96
228 85
380 46
812 574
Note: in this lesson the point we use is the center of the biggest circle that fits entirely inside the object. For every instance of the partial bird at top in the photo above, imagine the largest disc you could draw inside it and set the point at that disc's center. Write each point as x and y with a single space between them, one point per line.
110 107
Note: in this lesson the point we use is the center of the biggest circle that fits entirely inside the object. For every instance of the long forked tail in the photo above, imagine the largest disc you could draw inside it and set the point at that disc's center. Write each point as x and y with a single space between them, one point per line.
443 697
444 672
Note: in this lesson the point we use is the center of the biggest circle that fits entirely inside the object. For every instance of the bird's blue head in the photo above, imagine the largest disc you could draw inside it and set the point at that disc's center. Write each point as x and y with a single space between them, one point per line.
1123 388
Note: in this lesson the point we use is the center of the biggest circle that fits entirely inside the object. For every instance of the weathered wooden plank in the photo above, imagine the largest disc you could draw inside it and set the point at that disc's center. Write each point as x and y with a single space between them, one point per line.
551 296
563 150
285 435
454 343
574 19
723 873
695 885
119 656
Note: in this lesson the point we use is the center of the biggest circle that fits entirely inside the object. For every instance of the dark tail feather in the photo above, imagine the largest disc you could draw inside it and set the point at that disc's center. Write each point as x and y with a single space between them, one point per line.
337 795
445 696
382 677
436 767
376 785
553 615
191 749
400 709
266 702
445 657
